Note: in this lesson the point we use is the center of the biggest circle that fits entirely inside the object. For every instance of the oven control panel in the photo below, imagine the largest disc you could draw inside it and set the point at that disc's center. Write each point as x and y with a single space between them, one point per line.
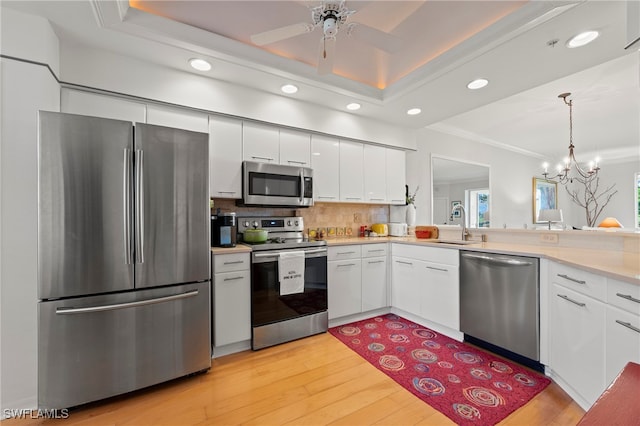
272 224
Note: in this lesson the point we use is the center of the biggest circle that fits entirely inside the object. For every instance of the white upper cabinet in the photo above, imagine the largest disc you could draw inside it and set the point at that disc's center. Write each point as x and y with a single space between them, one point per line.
86 103
225 157
261 143
351 171
325 161
375 175
178 118
295 148
396 176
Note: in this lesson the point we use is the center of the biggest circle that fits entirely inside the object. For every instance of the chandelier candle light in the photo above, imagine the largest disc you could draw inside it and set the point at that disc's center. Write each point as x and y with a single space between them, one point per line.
563 176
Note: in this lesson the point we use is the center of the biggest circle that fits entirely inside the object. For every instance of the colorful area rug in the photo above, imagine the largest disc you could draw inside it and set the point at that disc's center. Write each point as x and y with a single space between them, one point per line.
464 383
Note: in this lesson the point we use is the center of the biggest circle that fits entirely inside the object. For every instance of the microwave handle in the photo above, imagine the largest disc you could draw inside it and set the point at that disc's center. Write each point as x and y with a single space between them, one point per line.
301 187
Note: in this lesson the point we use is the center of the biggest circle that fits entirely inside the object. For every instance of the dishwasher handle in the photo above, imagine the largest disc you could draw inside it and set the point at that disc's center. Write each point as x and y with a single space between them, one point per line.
498 260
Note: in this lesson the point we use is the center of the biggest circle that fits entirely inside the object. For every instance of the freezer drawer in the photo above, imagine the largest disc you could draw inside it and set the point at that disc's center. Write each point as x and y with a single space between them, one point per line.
92 348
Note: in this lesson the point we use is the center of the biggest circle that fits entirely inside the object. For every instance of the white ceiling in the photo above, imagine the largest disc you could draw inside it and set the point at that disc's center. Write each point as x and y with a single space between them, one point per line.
446 44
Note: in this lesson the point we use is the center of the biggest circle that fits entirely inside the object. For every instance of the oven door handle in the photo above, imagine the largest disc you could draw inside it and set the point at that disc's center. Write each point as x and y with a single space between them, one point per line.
276 253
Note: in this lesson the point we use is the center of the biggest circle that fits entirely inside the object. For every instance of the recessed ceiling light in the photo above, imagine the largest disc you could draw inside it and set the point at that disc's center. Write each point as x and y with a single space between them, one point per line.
199 64
582 39
353 106
478 83
289 88
414 111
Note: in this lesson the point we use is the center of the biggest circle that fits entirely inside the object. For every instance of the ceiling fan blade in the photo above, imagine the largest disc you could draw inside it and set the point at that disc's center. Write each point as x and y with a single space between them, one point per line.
376 38
326 56
281 33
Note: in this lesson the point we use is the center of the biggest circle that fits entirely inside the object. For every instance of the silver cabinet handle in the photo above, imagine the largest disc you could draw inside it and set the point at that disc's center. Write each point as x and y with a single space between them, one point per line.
628 297
235 262
233 278
571 300
346 252
376 199
437 269
227 192
575 280
399 201
628 325
376 261
139 248
262 158
371 251
302 163
404 263
90 309
327 197
353 198
126 199
345 264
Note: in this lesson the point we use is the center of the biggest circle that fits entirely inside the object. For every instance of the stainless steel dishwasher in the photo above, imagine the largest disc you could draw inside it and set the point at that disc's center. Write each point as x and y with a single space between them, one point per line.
499 301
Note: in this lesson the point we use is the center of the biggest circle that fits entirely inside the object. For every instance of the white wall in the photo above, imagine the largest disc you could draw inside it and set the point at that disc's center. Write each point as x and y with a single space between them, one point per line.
108 71
510 178
25 88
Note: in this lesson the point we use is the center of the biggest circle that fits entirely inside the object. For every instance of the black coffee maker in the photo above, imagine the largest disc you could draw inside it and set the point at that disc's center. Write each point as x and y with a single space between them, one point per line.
223 230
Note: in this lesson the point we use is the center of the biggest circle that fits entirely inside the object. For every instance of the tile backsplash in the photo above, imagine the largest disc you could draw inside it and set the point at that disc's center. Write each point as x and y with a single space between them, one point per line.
320 215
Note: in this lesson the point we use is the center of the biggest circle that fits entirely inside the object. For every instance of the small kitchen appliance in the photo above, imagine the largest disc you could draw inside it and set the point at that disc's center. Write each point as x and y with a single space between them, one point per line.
397 229
223 230
279 314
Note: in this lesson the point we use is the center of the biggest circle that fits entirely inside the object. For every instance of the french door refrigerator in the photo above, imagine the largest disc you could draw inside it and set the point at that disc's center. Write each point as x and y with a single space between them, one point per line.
123 257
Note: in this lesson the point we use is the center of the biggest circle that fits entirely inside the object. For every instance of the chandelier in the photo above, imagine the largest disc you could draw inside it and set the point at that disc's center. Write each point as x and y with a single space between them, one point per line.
563 170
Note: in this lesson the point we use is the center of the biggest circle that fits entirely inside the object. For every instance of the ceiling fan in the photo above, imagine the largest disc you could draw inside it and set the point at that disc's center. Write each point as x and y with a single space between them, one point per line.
331 16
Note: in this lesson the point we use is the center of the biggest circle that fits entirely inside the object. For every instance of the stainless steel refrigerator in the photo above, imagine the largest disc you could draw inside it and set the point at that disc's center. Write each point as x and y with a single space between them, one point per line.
123 257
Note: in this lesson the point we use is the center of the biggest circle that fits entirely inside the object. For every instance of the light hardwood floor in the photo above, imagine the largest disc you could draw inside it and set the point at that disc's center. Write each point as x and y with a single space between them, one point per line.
313 381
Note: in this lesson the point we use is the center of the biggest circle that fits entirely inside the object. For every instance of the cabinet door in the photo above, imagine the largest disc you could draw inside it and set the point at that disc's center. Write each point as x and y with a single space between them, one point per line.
261 143
85 103
440 294
375 174
577 341
178 118
325 161
295 148
225 157
344 278
623 341
231 307
405 288
374 283
396 179
351 171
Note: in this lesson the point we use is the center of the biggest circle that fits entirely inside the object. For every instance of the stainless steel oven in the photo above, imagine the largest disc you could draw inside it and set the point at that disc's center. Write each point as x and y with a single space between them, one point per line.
277 317
265 184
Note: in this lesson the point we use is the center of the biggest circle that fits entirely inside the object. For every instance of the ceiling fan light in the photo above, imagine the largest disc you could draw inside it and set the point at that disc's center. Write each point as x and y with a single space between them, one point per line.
582 39
289 89
478 83
199 64
353 106
414 111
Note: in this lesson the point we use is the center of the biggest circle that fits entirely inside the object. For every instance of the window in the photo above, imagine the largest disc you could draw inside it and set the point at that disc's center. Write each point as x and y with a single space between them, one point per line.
478 208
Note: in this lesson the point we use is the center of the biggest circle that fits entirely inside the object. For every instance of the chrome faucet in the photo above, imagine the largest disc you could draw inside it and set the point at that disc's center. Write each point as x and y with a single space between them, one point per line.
465 231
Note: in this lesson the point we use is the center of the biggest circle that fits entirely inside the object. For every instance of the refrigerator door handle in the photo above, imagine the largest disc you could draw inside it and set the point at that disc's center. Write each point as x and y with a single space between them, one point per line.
139 235
102 308
126 194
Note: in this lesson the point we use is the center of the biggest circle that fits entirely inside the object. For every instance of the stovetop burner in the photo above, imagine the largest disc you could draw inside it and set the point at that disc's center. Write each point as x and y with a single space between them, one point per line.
284 233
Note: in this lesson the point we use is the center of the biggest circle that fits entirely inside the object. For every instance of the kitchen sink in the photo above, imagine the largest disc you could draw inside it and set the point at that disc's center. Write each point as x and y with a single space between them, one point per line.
459 242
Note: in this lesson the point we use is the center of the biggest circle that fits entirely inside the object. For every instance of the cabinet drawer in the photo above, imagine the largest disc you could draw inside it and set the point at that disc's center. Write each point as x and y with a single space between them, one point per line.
230 262
374 250
581 281
344 252
432 254
624 295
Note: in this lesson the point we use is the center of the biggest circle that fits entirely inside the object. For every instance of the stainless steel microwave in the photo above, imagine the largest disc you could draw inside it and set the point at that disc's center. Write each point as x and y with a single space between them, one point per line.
265 184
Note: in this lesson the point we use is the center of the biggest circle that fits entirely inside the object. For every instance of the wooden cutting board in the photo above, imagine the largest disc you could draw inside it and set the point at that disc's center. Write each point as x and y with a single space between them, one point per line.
434 230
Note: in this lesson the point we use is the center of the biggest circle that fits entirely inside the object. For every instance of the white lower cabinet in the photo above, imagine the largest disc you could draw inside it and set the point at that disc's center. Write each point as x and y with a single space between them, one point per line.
622 333
405 284
577 330
440 301
374 277
344 277
231 299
